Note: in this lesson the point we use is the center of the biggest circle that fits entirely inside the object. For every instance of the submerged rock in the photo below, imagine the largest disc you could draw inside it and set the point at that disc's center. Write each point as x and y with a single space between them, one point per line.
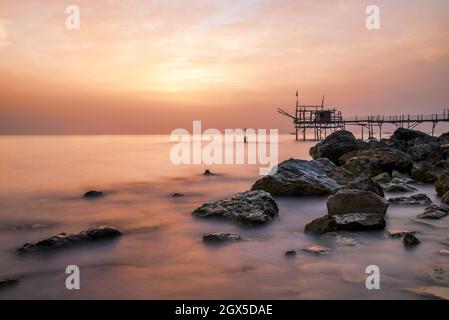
64 240
8 283
221 237
304 178
250 207
93 194
363 166
356 201
442 185
336 145
317 249
335 238
419 199
345 222
398 233
432 291
434 211
410 240
290 253
321 225
207 172
445 242
365 183
177 195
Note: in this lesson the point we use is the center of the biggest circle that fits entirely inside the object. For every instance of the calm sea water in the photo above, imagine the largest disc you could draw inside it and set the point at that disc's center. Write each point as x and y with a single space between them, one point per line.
161 254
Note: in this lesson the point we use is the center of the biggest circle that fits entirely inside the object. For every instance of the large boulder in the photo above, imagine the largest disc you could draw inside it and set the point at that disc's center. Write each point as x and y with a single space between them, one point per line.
304 178
408 134
425 171
389 159
336 145
442 184
356 201
346 222
423 150
65 240
249 208
363 166
364 183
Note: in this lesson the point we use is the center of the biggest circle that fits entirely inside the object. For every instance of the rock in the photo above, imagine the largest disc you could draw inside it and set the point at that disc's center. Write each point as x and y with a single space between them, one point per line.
426 172
408 134
439 274
364 183
442 185
389 159
410 240
423 151
420 199
432 291
335 238
434 211
207 172
93 194
321 225
360 222
8 283
443 252
317 249
356 201
397 185
249 208
336 145
382 178
445 198
177 195
401 176
398 233
363 166
445 242
221 237
290 253
347 222
64 240
304 178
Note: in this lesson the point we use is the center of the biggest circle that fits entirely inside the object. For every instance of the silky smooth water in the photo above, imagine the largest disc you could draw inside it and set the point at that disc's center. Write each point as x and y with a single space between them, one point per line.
161 254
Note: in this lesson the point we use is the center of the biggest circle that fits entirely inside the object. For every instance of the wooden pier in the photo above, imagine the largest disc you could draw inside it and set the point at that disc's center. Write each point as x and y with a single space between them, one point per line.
323 121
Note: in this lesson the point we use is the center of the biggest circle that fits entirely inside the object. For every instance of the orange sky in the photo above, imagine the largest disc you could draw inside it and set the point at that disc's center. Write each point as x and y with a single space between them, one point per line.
148 66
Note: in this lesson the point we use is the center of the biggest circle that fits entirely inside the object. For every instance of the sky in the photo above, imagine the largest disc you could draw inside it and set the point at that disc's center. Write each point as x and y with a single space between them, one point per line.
150 66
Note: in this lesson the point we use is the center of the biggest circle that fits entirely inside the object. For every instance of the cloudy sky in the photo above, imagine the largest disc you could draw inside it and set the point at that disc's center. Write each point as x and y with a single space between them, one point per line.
149 66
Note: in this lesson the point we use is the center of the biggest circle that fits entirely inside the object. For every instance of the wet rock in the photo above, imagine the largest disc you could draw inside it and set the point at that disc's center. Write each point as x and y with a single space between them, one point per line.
317 249
4 283
363 166
335 238
382 178
221 237
434 211
364 183
356 201
402 177
304 178
290 253
410 240
398 233
408 134
432 291
442 185
389 159
445 198
321 225
397 185
426 172
419 199
93 194
249 208
443 252
445 242
177 195
65 240
336 145
360 222
207 172
423 149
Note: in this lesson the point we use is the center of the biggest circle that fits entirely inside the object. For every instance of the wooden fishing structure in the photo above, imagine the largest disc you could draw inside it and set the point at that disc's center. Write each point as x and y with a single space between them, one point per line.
324 120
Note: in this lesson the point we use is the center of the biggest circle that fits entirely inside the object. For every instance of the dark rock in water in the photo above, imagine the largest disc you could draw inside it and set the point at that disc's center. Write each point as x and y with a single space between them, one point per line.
382 178
397 185
419 199
64 240
408 134
445 242
356 201
336 145
410 240
250 207
207 172
363 166
304 178
321 225
398 233
435 211
8 283
349 222
317 249
389 159
364 183
93 194
434 292
177 195
426 172
221 237
442 185
290 253
360 222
